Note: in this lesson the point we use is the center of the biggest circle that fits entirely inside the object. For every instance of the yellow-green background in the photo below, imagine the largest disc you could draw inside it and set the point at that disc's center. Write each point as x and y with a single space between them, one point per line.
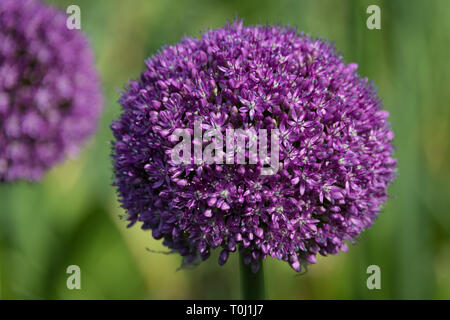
72 216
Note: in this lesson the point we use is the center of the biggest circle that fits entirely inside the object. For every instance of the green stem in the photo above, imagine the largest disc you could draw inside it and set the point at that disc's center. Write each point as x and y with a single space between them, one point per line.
252 284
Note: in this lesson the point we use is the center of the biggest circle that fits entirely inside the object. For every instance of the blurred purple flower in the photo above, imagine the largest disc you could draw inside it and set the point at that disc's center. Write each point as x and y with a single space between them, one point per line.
50 98
335 141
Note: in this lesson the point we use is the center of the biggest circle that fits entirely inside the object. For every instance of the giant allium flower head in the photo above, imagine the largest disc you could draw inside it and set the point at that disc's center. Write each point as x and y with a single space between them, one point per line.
50 97
335 147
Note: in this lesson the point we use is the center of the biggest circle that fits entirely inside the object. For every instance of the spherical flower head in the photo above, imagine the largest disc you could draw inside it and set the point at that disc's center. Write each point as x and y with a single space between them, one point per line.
50 97
335 147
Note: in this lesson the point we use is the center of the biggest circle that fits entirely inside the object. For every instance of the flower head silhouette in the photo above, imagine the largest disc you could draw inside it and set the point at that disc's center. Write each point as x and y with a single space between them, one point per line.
335 147
50 97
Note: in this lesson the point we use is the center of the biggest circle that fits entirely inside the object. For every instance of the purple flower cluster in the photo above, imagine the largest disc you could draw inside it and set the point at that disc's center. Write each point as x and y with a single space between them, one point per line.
50 97
335 147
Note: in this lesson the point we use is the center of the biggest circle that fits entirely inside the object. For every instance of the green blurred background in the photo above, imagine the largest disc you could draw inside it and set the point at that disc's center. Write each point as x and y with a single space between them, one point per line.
72 216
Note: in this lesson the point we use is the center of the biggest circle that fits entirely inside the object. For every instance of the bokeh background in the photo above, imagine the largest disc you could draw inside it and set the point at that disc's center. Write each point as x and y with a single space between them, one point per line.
72 216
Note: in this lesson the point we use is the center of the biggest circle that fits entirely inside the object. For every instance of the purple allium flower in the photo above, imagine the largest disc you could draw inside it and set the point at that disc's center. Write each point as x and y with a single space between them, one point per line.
335 147
50 98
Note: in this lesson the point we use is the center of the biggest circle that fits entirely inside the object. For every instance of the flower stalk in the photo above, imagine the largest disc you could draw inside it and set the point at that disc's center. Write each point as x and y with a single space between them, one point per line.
252 284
